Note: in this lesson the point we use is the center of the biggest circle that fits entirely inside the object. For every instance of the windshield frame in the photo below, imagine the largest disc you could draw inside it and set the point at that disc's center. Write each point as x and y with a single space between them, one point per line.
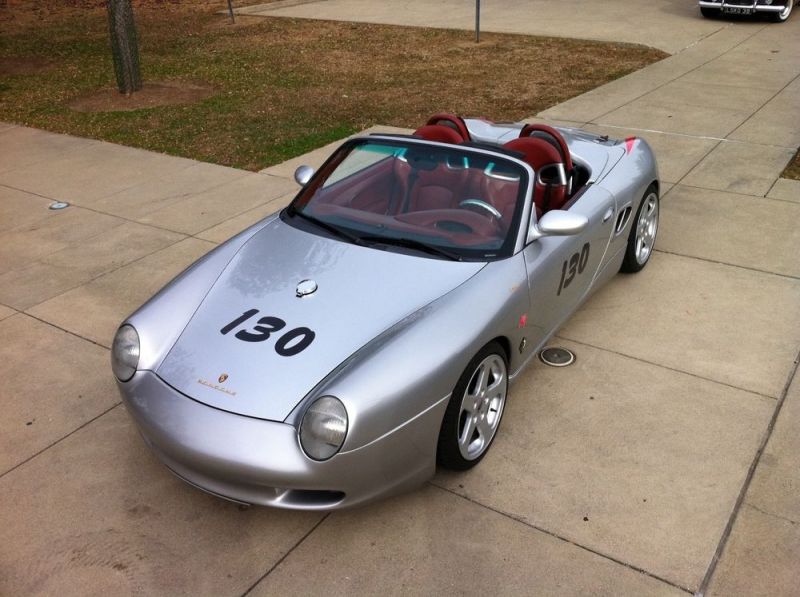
518 228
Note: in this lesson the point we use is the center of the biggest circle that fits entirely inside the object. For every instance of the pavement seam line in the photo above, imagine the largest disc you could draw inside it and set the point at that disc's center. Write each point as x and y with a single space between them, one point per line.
656 88
748 268
235 215
105 273
667 367
770 514
740 500
65 330
697 164
93 210
703 38
59 440
764 105
766 195
286 555
192 164
691 186
562 538
197 234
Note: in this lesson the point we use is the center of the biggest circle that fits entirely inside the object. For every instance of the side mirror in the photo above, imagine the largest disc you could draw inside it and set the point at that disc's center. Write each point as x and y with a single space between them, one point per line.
303 174
558 223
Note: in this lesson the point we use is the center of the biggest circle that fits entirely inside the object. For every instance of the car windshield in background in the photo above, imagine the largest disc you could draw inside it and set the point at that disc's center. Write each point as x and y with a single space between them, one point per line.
448 203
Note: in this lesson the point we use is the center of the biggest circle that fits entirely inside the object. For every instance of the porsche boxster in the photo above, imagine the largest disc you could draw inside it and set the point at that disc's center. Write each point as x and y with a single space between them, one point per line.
338 350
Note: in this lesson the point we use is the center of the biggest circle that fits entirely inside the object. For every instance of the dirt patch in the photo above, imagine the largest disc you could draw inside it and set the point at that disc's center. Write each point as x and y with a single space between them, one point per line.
793 168
152 95
10 66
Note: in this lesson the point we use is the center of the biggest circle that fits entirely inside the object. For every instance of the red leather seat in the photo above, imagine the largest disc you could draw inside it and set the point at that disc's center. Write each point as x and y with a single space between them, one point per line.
441 188
550 187
438 133
502 194
551 135
556 139
451 121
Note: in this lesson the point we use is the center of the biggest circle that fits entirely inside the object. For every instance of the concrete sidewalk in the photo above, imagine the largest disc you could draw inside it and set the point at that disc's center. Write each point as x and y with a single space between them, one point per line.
670 25
625 474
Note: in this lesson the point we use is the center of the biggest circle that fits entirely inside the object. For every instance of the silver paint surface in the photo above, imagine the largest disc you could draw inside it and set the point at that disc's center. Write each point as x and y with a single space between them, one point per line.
346 312
394 331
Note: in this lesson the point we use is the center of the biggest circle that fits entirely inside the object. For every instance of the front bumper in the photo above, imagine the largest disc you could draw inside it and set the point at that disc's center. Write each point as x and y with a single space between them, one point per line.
260 462
758 6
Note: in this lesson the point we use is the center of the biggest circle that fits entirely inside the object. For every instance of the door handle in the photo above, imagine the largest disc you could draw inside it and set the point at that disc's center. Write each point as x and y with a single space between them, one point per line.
608 214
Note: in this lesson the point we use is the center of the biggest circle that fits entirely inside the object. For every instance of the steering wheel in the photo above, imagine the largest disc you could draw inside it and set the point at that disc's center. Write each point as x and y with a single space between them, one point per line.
452 220
493 211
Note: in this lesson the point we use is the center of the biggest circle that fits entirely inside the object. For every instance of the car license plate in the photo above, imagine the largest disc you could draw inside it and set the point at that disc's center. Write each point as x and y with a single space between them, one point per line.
736 10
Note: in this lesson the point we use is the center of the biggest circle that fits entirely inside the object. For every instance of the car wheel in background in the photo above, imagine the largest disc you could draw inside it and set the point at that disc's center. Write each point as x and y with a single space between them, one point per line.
473 415
780 17
642 237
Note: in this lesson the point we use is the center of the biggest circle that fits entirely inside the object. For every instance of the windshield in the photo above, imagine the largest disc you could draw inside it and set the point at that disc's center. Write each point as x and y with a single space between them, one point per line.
441 201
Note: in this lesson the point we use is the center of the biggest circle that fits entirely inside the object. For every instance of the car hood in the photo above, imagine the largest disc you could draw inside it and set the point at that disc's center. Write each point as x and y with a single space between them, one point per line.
360 293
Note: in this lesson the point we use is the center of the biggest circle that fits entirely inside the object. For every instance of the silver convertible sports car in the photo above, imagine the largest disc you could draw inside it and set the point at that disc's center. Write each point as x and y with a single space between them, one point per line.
336 351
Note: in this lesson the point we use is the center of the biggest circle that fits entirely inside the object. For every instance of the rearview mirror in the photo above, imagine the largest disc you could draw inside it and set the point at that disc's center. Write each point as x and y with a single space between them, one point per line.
558 223
303 174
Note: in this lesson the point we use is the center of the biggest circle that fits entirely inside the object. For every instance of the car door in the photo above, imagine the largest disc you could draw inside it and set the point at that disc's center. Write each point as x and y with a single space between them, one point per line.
562 269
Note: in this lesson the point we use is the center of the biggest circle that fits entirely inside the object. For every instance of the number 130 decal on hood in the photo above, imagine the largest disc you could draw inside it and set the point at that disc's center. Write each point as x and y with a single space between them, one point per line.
289 344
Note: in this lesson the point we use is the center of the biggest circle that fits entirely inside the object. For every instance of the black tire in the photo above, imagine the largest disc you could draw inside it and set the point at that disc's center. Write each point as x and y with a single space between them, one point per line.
709 13
448 453
631 263
777 17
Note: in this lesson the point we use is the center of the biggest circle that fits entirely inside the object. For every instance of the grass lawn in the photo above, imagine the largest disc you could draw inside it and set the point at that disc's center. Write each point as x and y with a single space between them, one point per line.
281 86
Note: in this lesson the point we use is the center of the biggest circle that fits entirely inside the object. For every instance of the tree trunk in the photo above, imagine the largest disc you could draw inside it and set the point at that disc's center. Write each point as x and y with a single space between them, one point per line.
124 46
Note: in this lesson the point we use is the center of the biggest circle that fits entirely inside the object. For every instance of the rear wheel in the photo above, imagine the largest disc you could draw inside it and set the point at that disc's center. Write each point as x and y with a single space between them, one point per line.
780 17
642 237
475 409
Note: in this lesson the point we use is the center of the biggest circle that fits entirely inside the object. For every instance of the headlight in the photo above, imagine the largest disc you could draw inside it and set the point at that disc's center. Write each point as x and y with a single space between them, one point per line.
323 428
125 353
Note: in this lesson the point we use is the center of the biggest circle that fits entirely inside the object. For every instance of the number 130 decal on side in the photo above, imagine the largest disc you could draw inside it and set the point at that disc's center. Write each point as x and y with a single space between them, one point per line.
289 344
572 266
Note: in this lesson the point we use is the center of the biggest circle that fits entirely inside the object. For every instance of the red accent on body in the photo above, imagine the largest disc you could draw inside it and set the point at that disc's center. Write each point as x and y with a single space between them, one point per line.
523 320
629 143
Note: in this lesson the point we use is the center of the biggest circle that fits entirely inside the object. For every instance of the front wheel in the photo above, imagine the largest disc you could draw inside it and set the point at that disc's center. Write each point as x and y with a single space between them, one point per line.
642 237
782 16
474 411
709 13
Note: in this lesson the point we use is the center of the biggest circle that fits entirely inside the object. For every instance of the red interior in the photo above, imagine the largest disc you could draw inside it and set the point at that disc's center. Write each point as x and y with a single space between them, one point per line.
379 195
541 155
439 133
451 121
557 137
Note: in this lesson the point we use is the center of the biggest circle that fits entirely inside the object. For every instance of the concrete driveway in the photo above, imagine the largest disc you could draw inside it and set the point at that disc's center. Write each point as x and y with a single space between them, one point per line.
668 447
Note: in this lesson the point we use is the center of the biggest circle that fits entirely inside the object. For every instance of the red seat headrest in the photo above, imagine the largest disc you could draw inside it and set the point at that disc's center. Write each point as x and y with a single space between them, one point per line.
439 133
451 121
550 189
552 135
536 152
